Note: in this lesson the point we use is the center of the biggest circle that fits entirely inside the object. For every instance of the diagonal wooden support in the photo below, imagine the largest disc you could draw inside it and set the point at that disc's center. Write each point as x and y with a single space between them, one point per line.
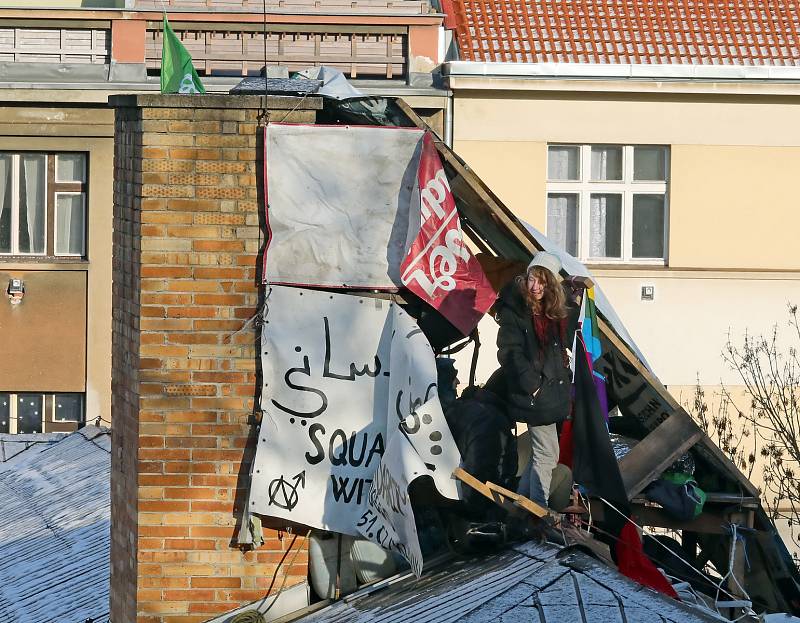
520 500
704 441
656 452
508 500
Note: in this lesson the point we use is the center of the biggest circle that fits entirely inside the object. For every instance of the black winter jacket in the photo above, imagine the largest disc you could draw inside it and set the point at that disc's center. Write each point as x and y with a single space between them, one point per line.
526 364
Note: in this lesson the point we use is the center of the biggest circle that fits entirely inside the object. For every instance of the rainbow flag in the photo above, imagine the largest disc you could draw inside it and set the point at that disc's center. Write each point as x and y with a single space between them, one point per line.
590 332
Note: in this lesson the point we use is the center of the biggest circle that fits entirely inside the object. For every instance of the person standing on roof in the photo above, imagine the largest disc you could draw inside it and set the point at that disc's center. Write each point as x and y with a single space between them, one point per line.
534 375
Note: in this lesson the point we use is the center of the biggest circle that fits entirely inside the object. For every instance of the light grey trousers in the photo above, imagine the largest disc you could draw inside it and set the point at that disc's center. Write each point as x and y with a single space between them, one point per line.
535 481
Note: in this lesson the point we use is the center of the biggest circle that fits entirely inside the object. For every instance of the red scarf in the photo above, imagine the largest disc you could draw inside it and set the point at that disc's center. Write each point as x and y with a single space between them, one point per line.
545 328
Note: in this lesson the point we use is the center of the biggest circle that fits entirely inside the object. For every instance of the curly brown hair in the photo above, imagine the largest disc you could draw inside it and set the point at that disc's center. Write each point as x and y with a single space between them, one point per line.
554 302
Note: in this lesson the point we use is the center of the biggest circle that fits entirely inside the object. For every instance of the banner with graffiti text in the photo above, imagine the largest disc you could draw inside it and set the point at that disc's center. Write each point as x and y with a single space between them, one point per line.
439 268
387 518
342 376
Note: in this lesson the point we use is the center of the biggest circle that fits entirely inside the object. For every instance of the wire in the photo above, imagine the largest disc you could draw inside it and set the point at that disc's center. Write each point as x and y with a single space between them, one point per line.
586 503
745 604
296 106
748 609
288 568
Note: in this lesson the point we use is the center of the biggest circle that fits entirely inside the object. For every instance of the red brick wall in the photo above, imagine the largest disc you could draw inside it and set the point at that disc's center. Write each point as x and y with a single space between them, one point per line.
186 247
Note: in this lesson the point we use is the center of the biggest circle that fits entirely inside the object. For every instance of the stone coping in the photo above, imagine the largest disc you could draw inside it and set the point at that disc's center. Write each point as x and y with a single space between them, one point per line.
274 102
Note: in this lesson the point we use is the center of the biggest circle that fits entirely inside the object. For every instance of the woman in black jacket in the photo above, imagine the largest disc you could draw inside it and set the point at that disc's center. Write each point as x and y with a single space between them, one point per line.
532 350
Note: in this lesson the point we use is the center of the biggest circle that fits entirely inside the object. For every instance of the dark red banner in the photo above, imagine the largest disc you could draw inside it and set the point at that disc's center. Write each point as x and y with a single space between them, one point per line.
439 267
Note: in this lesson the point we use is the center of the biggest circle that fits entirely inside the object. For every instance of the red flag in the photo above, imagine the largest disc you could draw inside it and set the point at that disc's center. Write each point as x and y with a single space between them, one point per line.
439 268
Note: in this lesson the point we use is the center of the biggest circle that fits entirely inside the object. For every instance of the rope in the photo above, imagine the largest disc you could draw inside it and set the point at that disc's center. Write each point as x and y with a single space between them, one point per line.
734 599
248 616
288 568
745 604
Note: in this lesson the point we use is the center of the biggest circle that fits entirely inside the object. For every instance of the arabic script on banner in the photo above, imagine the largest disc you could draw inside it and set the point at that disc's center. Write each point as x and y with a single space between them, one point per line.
343 376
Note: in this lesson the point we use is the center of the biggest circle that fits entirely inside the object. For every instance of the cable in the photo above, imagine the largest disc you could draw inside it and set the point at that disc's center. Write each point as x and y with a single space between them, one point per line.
745 604
296 106
285 575
99 419
748 610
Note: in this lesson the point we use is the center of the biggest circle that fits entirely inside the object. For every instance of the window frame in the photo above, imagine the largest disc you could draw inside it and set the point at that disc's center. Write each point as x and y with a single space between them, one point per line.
48 411
56 195
584 188
53 187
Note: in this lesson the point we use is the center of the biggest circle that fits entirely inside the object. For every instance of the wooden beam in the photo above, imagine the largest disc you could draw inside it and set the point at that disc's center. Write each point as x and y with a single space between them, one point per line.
501 496
520 500
652 455
470 480
707 522
710 448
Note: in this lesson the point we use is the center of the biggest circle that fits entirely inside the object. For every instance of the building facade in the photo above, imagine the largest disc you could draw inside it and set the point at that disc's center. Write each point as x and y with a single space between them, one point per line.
59 63
656 142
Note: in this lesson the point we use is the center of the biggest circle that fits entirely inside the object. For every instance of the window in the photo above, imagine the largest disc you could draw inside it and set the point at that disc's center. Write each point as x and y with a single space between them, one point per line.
25 413
5 412
43 204
608 203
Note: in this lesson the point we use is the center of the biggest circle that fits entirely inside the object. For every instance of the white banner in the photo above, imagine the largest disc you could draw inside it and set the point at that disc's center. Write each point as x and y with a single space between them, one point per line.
415 403
340 373
388 518
339 200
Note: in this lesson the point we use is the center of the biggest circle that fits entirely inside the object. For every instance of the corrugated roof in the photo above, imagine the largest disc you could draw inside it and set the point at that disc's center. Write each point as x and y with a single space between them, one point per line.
683 32
55 530
530 582
12 445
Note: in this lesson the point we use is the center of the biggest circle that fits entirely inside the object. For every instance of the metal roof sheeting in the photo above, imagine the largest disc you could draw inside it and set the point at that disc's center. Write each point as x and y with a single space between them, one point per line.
530 582
55 530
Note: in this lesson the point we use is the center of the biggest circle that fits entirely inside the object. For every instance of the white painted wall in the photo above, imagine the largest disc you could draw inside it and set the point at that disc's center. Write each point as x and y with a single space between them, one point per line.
683 331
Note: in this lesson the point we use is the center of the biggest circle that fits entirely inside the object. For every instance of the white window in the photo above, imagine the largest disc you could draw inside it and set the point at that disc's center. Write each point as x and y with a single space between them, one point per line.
43 204
26 413
608 203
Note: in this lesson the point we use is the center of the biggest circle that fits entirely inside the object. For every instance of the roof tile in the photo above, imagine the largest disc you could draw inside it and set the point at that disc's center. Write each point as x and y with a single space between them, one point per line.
684 32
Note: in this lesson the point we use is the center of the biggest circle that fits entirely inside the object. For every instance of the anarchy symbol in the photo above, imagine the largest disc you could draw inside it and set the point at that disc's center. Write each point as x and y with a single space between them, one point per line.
187 85
283 494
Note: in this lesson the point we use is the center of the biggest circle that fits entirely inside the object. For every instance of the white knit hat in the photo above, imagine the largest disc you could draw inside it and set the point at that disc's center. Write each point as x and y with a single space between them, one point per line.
548 261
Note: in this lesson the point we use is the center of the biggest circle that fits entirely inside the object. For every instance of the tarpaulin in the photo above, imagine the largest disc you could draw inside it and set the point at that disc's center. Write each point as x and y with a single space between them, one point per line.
341 204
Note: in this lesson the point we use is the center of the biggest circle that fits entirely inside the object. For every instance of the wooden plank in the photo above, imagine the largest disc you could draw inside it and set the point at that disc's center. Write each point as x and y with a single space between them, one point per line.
708 522
520 500
630 356
656 452
725 499
470 480
704 440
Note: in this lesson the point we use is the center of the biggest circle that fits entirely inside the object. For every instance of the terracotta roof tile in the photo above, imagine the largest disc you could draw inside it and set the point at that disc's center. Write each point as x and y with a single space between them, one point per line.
704 32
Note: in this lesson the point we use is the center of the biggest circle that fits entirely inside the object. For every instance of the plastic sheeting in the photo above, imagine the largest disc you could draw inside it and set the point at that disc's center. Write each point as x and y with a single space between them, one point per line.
341 204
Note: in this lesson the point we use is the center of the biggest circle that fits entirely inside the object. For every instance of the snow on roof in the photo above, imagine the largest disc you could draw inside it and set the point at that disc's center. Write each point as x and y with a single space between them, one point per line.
11 445
55 517
529 582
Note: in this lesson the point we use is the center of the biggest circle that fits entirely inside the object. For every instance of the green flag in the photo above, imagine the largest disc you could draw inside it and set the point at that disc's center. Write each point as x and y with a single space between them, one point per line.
177 72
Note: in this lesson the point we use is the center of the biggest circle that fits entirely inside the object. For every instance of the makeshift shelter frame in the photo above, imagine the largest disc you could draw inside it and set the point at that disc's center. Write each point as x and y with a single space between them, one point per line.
671 431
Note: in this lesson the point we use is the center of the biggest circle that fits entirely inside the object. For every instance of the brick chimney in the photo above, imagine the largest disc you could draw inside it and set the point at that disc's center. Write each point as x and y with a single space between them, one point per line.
187 236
